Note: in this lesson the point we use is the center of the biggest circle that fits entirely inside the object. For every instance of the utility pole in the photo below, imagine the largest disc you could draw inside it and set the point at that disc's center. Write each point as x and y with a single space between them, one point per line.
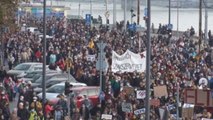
138 11
169 21
148 55
44 61
2 47
79 9
206 20
107 12
91 7
178 18
114 12
200 24
178 100
125 9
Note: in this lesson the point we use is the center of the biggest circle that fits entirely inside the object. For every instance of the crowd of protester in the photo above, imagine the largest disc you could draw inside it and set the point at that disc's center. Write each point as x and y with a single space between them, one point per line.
175 62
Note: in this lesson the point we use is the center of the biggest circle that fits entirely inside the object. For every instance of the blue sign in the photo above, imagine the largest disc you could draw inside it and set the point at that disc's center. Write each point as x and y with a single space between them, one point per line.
145 12
132 27
170 26
88 19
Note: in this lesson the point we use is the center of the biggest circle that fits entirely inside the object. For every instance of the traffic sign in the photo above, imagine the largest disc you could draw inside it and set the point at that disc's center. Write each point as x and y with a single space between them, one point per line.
101 56
170 27
101 64
101 46
132 27
145 12
88 19
107 14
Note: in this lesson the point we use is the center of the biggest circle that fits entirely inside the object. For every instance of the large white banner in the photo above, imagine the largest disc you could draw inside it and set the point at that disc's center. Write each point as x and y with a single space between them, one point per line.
128 62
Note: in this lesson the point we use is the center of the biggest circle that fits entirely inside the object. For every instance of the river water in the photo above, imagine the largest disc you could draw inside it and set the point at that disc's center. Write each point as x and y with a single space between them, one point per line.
187 17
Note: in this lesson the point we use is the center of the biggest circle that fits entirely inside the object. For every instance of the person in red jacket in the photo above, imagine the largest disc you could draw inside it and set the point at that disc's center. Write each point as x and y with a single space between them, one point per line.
48 109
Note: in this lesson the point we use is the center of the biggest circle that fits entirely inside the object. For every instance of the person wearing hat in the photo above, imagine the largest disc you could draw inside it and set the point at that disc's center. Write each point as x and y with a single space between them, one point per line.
62 102
23 113
29 92
36 105
13 115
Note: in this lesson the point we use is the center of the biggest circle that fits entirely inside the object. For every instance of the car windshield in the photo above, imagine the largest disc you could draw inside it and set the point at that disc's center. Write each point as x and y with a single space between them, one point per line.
40 79
56 89
30 75
23 67
37 76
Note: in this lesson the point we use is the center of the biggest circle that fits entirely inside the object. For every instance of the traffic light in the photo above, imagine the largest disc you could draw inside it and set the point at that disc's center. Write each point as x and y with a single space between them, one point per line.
169 33
68 87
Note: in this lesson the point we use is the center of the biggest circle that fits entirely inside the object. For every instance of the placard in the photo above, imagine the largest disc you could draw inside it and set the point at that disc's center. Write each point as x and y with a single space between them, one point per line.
160 91
128 90
139 111
155 102
91 58
128 62
141 94
106 116
127 107
162 113
198 97
188 111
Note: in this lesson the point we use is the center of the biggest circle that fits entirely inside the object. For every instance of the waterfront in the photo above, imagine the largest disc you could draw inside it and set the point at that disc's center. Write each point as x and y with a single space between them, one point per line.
187 17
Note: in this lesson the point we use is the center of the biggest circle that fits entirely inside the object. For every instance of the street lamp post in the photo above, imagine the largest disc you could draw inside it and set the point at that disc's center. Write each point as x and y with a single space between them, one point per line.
169 21
206 20
138 13
125 9
91 7
148 55
44 61
79 9
200 24
114 12
132 15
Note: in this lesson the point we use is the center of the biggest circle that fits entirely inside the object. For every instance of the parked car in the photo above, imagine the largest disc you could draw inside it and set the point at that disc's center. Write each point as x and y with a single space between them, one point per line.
21 69
53 78
92 92
53 91
34 75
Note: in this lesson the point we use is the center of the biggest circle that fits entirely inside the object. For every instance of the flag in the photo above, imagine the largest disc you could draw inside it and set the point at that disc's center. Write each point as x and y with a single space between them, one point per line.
91 44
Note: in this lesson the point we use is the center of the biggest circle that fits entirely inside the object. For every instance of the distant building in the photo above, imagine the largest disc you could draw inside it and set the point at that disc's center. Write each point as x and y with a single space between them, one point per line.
165 3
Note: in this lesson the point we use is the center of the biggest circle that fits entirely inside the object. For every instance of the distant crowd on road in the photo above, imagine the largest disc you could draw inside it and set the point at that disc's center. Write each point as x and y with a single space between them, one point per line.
175 63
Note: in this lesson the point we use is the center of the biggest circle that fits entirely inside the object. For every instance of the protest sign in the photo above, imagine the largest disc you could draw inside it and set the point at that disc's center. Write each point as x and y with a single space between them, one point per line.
162 113
127 107
128 90
160 91
139 111
198 97
155 102
188 111
106 117
141 94
91 58
128 62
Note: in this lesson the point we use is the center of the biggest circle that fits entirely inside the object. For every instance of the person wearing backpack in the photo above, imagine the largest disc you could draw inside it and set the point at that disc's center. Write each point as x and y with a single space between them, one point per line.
33 115
36 105
63 104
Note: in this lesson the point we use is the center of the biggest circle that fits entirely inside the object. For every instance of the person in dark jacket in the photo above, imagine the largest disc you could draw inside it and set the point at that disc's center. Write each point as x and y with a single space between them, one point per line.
6 111
84 111
23 113
28 96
